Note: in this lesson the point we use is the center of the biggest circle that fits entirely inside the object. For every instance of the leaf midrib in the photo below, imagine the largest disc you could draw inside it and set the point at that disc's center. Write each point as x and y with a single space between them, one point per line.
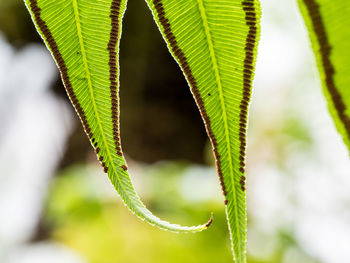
88 76
135 208
222 102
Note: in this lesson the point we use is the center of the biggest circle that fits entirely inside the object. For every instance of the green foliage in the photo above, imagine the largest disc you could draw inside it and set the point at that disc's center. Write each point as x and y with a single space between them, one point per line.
80 215
215 45
329 29
83 37
80 212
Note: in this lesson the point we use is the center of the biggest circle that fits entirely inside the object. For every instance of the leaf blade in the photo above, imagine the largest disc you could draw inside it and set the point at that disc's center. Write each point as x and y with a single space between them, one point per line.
214 42
328 26
84 41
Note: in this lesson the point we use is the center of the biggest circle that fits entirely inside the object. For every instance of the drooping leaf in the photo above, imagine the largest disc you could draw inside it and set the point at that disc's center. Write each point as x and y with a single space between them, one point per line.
215 43
83 37
328 23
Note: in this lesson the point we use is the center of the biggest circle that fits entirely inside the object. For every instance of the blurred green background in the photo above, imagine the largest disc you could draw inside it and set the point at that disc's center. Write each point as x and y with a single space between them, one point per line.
56 204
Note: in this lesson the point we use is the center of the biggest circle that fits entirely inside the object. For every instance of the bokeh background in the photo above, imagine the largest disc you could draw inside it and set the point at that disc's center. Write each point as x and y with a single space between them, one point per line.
56 204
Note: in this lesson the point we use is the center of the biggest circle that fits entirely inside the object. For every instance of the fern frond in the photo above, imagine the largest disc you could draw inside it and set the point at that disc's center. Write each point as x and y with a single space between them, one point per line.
215 44
328 23
83 37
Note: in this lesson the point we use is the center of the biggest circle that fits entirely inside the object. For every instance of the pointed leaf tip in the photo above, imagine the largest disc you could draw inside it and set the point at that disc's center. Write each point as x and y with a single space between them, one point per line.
85 47
208 224
215 44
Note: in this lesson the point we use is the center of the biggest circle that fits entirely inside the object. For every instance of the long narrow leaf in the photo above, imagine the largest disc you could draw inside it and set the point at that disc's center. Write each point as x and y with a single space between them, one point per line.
215 43
83 37
328 23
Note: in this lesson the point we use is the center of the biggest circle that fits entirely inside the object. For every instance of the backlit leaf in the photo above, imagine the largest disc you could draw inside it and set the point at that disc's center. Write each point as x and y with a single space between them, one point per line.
328 23
215 43
83 37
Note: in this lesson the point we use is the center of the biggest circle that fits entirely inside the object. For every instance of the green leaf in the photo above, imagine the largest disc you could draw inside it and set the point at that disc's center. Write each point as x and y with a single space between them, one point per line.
83 37
328 23
215 43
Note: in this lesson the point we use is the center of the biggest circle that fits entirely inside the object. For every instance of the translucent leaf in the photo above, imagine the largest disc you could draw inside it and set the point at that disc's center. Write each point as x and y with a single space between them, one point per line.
215 43
83 37
328 23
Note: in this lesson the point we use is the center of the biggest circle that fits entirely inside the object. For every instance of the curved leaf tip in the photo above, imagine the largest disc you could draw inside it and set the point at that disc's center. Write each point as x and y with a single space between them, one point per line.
208 224
83 37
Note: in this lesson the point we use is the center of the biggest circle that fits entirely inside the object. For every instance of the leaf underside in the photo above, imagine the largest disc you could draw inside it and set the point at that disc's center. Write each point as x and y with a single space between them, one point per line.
215 44
83 37
328 23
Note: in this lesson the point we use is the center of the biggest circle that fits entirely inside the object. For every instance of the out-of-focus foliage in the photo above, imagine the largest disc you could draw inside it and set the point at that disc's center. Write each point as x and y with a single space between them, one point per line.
14 23
102 230
93 223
